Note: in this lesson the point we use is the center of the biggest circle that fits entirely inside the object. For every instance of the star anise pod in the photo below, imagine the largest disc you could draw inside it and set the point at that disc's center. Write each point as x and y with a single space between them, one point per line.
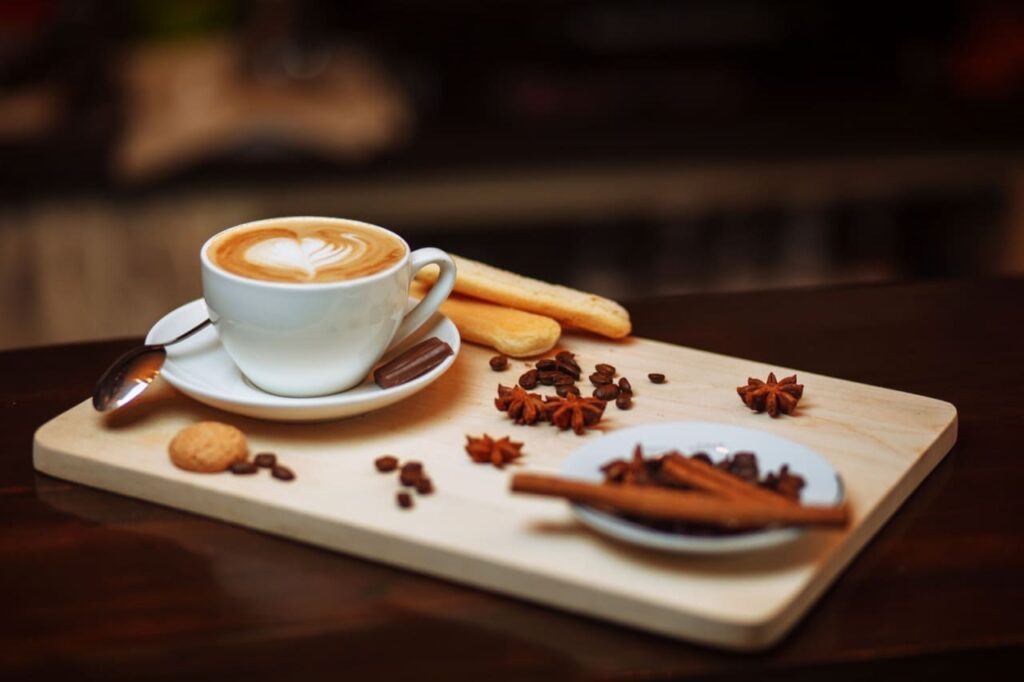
522 406
773 396
486 450
574 412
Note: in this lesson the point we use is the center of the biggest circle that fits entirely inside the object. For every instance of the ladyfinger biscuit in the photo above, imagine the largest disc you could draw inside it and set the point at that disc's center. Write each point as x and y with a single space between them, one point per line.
570 307
509 331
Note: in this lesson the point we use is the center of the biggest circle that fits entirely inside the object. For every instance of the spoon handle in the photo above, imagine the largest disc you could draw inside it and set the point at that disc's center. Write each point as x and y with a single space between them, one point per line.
194 330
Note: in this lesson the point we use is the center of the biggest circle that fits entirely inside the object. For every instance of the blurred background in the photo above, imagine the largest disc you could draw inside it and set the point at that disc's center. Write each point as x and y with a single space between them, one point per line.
627 147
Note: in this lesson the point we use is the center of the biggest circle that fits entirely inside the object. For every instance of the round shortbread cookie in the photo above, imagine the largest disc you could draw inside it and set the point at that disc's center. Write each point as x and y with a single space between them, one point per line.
208 447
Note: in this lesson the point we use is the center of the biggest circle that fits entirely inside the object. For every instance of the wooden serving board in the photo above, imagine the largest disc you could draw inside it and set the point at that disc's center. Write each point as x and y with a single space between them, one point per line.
472 530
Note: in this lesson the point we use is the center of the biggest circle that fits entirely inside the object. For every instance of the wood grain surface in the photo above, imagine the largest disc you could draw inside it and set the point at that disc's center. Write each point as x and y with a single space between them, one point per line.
98 586
881 442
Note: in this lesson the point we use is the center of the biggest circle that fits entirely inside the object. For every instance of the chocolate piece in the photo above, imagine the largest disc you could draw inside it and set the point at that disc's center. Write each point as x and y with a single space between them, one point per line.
404 500
267 460
243 468
282 473
499 363
414 362
424 486
529 380
656 378
386 463
605 369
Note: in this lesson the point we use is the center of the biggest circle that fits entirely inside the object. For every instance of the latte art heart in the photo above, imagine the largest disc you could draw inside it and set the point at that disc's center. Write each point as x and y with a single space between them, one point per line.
308 251
309 255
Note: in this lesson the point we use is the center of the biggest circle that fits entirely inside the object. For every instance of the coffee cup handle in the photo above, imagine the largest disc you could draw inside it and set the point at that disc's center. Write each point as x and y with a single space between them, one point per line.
419 259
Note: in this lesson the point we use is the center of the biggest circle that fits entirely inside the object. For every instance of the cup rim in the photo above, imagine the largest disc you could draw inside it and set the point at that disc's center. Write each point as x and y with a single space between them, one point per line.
304 286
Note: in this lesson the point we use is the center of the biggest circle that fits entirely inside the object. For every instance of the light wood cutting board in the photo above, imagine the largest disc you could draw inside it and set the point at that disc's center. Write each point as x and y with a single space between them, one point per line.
472 530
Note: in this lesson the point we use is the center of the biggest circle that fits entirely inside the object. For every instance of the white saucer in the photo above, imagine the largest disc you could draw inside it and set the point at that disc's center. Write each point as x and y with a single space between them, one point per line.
823 486
200 368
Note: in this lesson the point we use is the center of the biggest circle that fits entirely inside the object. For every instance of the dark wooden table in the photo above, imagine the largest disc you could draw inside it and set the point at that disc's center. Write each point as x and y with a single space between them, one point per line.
100 586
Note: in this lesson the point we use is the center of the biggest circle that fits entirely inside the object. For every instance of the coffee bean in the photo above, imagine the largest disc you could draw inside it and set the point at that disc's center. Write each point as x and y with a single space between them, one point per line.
605 369
411 473
599 379
656 378
563 379
424 486
624 385
546 365
404 500
243 468
529 380
566 389
386 463
606 392
572 370
624 401
548 377
282 473
565 356
499 363
267 460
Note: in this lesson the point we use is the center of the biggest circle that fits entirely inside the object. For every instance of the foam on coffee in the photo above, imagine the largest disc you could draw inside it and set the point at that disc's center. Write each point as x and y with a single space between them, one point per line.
306 252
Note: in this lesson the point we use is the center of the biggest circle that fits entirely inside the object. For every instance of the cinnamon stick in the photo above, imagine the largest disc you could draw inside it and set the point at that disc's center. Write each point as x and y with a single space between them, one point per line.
673 505
710 478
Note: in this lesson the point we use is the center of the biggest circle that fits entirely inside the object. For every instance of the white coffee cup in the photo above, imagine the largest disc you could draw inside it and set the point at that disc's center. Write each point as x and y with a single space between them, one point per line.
310 339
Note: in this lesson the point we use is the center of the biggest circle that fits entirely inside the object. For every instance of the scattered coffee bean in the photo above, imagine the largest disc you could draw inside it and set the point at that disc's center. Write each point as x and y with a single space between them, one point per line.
548 377
624 401
605 369
568 367
656 378
546 364
282 473
606 392
499 363
566 389
243 468
411 473
624 385
702 457
565 356
563 380
267 460
424 486
599 379
386 463
404 500
529 380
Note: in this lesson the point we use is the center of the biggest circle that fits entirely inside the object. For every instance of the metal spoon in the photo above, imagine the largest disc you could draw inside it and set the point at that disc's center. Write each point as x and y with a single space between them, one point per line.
133 372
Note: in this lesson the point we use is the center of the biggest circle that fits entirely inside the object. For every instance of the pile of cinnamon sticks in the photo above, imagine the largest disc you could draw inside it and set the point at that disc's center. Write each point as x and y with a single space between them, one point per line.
685 489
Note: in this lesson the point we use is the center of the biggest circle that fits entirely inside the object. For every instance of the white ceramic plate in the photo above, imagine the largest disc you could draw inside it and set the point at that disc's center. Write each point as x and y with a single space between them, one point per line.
823 486
200 367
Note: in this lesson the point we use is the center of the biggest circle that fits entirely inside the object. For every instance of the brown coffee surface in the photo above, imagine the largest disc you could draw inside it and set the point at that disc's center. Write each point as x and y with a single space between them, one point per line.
306 252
